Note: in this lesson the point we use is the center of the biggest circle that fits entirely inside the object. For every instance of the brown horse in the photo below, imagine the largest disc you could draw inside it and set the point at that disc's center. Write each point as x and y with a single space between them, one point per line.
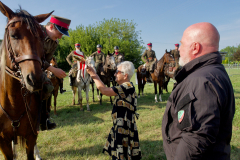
21 79
107 69
55 83
157 76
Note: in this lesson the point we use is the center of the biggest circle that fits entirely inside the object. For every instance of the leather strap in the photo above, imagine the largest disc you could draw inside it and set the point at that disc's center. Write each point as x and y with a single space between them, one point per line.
28 57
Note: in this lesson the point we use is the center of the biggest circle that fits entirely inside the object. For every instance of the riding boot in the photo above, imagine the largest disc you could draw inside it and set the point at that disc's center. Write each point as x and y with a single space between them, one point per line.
61 86
45 123
71 80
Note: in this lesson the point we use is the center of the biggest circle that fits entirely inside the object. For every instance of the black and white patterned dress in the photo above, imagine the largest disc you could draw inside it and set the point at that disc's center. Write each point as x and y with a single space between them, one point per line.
123 140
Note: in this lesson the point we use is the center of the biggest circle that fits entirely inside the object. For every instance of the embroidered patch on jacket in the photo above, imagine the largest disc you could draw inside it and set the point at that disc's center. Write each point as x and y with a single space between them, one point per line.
180 115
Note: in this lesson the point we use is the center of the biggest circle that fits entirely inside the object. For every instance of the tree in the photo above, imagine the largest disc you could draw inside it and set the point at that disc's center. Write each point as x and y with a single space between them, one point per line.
108 33
236 55
230 51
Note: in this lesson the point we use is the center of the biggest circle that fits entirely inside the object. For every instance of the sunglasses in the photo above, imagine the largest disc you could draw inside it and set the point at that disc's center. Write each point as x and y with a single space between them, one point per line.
117 71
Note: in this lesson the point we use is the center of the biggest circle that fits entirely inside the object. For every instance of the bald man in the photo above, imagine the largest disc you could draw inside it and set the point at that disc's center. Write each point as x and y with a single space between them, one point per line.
197 123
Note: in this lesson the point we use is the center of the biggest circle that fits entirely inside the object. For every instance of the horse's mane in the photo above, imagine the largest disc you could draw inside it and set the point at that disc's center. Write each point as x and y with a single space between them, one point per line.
29 20
33 27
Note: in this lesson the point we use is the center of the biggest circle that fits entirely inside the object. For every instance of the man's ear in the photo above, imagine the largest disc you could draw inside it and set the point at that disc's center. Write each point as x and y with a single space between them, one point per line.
196 46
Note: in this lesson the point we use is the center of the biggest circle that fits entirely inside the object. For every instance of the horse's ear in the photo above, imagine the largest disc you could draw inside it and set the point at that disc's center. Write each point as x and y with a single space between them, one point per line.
42 17
6 11
166 51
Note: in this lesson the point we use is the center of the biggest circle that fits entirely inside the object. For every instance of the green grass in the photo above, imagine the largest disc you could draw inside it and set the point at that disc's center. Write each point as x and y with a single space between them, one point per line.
81 135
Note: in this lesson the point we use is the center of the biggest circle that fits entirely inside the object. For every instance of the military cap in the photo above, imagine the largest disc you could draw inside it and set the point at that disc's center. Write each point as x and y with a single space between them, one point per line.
149 44
177 45
99 46
62 24
116 47
77 45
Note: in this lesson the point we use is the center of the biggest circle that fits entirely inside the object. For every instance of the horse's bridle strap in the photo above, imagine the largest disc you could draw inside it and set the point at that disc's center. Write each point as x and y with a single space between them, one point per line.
28 57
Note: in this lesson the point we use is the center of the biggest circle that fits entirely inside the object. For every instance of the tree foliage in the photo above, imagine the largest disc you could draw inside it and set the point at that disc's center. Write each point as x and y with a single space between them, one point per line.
108 33
230 51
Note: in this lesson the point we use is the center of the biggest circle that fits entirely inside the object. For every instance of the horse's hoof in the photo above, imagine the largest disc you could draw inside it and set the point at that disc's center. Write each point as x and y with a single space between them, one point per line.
138 96
89 110
156 101
78 103
73 104
81 109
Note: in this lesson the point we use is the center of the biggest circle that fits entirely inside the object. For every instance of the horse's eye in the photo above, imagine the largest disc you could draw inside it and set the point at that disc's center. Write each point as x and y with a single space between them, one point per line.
14 36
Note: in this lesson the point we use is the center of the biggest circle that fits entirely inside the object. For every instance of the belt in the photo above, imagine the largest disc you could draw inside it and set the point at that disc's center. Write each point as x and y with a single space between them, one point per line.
150 58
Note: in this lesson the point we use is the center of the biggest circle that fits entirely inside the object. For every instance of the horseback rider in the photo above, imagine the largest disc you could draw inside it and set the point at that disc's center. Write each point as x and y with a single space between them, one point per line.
176 55
55 29
70 57
99 58
119 57
150 59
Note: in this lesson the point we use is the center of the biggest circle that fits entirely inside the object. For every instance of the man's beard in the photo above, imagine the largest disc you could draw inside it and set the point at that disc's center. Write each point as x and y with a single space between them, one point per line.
183 62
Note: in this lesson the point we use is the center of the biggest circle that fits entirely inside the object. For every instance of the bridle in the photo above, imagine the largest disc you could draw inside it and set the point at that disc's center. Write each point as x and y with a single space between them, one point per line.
15 59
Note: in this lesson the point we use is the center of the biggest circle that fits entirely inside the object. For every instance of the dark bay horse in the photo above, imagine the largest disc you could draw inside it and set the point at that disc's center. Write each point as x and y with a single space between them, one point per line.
158 76
107 69
21 80
55 83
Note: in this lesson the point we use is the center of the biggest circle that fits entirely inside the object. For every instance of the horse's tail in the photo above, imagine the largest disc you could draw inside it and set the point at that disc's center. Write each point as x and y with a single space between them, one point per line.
22 141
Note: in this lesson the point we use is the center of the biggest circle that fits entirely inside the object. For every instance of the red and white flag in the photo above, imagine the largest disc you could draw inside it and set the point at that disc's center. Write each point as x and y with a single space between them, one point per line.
81 65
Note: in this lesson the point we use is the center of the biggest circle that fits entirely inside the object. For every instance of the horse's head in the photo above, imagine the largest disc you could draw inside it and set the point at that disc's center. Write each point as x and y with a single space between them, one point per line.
22 48
90 62
168 58
120 59
110 62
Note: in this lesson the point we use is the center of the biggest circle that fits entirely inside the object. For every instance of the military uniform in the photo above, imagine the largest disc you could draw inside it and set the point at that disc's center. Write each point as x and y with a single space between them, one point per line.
149 56
176 56
69 59
99 59
118 58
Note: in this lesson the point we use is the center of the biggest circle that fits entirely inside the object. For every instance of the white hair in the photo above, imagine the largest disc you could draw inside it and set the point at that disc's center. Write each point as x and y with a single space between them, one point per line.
127 68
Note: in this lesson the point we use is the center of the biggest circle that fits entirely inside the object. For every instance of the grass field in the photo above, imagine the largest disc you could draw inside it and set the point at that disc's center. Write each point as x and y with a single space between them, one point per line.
81 135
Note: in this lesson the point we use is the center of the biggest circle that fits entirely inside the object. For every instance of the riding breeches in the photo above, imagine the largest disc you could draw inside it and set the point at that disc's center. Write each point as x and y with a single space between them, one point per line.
73 71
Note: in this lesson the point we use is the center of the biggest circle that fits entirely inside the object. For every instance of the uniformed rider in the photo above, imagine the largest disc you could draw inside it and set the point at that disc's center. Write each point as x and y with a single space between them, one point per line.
119 57
72 61
99 58
55 29
149 58
176 55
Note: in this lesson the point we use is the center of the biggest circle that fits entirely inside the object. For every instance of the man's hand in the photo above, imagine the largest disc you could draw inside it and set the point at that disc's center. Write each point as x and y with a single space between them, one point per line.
57 72
91 71
147 62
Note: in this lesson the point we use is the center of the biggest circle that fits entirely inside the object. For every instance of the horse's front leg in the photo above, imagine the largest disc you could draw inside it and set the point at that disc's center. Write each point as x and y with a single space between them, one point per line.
98 95
93 91
87 97
30 144
160 90
36 153
80 98
74 93
6 148
55 94
155 88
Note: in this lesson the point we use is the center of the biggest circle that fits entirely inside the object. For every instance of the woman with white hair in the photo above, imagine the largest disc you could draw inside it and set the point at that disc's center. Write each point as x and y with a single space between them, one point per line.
123 140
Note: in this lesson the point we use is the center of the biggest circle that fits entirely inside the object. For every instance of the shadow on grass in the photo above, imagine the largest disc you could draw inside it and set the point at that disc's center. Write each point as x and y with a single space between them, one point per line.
151 150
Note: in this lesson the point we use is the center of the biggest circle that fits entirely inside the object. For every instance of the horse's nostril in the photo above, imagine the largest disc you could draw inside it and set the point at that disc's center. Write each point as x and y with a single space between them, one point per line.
30 79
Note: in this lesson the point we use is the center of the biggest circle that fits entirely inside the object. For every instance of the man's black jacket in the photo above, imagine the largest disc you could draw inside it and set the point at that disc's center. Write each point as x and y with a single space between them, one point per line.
197 123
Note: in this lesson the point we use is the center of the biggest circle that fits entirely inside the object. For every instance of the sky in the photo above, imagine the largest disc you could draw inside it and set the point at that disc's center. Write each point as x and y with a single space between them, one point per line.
161 22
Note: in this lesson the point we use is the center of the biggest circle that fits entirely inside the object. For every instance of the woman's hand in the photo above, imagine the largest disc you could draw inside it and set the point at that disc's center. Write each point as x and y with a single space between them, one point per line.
91 71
